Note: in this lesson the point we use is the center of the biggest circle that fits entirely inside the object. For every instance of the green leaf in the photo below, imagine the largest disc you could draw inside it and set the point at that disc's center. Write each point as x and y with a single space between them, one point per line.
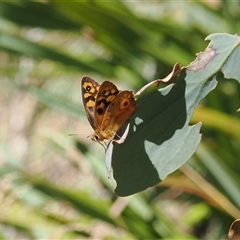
220 171
126 36
36 14
80 200
217 120
22 46
54 101
160 139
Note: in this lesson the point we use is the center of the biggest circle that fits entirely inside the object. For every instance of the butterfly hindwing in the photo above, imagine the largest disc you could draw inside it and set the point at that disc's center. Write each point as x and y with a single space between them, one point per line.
119 110
106 94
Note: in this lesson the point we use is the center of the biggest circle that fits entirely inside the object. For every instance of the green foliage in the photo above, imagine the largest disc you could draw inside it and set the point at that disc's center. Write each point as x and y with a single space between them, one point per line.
161 140
55 186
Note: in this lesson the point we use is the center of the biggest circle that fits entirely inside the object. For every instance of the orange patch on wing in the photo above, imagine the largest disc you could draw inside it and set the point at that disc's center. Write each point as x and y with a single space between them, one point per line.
90 103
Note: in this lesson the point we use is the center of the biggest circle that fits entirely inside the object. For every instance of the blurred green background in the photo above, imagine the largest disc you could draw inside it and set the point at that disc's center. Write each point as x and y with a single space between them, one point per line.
53 186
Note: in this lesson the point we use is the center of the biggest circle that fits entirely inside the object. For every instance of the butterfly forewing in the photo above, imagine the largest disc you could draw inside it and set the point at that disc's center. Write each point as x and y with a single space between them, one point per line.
90 89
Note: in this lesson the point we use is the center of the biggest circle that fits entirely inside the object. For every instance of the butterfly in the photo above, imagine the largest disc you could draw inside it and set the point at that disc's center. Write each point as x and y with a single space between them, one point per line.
106 107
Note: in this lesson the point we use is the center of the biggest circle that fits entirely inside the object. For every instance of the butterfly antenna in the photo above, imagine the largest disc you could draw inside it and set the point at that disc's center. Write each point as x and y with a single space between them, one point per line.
74 134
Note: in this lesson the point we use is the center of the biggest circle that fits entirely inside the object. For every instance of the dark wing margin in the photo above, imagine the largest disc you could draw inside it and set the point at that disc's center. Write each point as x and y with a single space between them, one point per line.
90 89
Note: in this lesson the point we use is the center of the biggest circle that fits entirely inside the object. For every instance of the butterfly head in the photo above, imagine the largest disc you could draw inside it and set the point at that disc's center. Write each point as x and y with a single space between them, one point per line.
101 135
96 138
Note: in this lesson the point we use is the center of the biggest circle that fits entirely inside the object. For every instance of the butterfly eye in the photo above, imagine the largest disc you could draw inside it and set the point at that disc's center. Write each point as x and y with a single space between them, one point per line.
103 92
94 138
125 103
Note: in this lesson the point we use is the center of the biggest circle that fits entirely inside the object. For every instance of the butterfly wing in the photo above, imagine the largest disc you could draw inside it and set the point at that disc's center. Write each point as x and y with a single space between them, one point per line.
106 108
119 111
90 89
106 94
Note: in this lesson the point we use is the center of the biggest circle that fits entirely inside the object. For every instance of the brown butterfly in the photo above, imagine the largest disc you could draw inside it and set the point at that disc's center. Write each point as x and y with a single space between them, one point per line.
106 107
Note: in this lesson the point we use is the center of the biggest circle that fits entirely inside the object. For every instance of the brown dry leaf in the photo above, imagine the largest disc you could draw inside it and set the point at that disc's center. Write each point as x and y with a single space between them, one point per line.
234 230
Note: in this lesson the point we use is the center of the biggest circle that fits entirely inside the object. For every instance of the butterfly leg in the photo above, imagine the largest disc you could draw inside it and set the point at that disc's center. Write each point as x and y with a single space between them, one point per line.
103 144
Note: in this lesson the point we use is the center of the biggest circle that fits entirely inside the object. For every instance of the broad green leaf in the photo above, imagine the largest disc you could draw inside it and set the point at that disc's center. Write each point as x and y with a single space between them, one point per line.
160 139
